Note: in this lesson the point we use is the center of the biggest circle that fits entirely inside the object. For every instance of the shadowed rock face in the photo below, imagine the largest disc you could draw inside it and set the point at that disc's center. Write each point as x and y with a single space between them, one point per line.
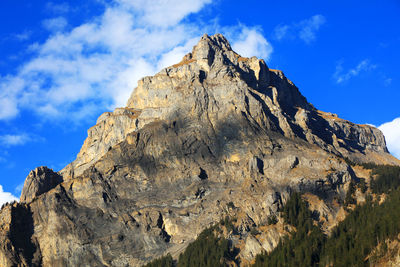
39 181
214 135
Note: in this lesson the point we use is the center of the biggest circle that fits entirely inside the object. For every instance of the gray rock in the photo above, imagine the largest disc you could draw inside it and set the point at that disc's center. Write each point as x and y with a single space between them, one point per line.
39 181
215 135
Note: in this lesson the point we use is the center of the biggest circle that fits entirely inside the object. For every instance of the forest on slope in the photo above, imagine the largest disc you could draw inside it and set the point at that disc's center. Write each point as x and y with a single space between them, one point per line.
351 243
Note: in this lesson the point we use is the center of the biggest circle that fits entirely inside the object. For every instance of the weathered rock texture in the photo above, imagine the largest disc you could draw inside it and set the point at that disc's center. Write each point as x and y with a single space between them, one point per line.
214 135
39 181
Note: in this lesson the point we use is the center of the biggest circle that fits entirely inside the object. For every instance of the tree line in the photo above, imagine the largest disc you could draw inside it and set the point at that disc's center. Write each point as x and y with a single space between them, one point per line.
350 243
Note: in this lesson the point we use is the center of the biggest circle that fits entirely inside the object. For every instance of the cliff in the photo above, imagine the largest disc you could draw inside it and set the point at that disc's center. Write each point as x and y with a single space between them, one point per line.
214 135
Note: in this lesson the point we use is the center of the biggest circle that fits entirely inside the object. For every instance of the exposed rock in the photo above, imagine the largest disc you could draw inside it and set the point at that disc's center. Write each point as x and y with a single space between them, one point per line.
18 248
217 84
39 181
252 248
110 129
388 256
215 135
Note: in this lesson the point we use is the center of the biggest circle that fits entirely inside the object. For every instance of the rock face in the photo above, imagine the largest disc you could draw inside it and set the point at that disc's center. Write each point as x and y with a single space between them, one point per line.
110 129
213 84
214 135
39 181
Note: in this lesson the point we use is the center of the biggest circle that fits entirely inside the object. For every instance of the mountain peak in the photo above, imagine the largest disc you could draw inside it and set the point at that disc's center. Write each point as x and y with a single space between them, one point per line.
209 49
213 84
215 135
209 44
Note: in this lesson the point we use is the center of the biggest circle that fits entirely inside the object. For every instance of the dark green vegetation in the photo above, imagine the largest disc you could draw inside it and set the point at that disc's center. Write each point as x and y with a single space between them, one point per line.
208 250
353 239
304 246
349 199
350 243
369 165
388 179
165 261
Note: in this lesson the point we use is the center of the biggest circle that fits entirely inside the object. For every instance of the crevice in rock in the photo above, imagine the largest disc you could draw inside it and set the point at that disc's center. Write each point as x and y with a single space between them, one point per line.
203 174
202 75
163 233
260 165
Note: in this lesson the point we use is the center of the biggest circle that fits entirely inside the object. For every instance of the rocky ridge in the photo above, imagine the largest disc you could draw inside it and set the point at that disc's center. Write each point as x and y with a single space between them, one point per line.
214 135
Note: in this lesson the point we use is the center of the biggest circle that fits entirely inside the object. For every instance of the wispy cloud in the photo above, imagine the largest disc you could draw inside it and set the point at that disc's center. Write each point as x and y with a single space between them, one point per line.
19 37
58 8
9 140
96 65
309 27
18 188
391 130
55 24
305 30
282 31
14 140
341 75
23 36
6 196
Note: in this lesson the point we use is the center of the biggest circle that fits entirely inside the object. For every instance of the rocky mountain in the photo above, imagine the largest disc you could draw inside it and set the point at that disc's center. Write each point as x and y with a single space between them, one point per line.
215 135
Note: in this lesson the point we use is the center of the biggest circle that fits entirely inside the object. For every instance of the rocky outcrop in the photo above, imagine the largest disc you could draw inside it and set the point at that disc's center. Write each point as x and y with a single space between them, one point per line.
110 129
39 181
215 135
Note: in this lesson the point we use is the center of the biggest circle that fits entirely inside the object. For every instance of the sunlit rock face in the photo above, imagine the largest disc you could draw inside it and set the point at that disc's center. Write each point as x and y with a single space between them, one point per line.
216 134
39 181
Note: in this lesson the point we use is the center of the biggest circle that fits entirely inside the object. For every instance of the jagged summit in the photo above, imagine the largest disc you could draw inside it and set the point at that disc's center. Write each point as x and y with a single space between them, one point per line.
207 46
213 84
215 135
210 49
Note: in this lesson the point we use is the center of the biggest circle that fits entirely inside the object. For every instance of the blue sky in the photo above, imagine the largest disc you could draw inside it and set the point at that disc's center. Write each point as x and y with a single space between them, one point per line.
64 63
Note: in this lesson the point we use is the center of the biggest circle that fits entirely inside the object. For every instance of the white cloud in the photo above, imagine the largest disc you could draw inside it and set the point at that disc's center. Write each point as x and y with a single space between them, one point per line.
8 140
341 76
6 196
391 130
305 30
96 65
309 27
250 42
8 107
164 13
14 140
55 24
